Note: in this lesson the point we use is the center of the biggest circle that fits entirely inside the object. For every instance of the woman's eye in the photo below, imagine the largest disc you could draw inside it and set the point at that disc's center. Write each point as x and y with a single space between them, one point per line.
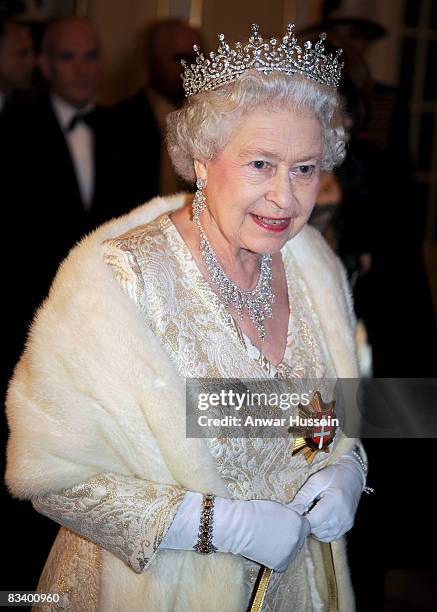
259 164
306 170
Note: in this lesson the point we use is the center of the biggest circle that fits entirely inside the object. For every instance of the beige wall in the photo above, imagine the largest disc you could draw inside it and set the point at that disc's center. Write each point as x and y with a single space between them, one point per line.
234 19
120 24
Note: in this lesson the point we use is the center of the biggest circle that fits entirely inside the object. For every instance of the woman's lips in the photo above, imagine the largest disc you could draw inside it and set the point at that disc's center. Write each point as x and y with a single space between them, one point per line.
271 224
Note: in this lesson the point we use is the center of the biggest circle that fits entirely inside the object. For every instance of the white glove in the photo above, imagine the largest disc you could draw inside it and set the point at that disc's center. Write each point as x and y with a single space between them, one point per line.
337 490
264 531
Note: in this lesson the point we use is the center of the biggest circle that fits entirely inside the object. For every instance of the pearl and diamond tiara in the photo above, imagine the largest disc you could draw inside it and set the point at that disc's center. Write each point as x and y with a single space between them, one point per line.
228 64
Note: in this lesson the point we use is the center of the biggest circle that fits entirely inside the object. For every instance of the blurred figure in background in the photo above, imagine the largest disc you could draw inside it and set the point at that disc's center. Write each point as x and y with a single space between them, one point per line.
17 62
343 212
59 163
142 118
381 215
71 64
400 321
346 200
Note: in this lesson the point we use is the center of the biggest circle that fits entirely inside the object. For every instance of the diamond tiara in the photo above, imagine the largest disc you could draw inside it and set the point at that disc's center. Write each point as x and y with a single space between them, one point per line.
228 64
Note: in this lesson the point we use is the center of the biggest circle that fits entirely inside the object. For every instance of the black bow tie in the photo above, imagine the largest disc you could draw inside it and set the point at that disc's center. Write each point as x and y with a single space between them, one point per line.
88 118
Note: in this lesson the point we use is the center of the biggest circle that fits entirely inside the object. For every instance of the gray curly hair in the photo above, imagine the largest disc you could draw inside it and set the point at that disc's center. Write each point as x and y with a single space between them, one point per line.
206 122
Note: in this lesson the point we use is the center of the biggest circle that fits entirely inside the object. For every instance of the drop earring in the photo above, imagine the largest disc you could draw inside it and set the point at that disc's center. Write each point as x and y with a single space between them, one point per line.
199 202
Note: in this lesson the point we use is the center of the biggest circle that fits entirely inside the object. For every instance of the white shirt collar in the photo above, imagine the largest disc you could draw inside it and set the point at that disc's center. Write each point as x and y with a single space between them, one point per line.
65 112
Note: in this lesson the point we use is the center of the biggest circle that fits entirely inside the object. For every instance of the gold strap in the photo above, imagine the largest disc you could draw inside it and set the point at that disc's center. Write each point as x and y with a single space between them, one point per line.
330 576
261 590
263 584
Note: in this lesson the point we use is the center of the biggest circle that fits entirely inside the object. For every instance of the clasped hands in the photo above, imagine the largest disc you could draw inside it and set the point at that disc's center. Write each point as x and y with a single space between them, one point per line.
329 498
272 533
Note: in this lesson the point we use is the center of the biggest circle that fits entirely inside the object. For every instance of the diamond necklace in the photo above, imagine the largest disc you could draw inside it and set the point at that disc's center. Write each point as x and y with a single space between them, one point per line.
257 302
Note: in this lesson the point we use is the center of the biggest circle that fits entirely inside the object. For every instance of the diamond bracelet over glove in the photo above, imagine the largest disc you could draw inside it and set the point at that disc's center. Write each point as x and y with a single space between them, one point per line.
204 544
364 466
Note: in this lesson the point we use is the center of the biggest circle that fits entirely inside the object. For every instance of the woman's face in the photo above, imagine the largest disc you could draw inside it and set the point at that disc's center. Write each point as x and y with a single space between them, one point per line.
262 186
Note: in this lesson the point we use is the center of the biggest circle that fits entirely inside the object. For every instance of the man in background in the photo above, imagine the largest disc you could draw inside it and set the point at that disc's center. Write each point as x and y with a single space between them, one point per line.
17 62
141 119
78 129
59 168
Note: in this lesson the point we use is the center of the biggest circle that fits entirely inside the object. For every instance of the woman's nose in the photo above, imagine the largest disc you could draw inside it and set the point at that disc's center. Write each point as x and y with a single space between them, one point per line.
281 191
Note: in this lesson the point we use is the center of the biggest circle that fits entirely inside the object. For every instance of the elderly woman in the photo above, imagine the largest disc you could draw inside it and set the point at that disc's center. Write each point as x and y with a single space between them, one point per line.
230 284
